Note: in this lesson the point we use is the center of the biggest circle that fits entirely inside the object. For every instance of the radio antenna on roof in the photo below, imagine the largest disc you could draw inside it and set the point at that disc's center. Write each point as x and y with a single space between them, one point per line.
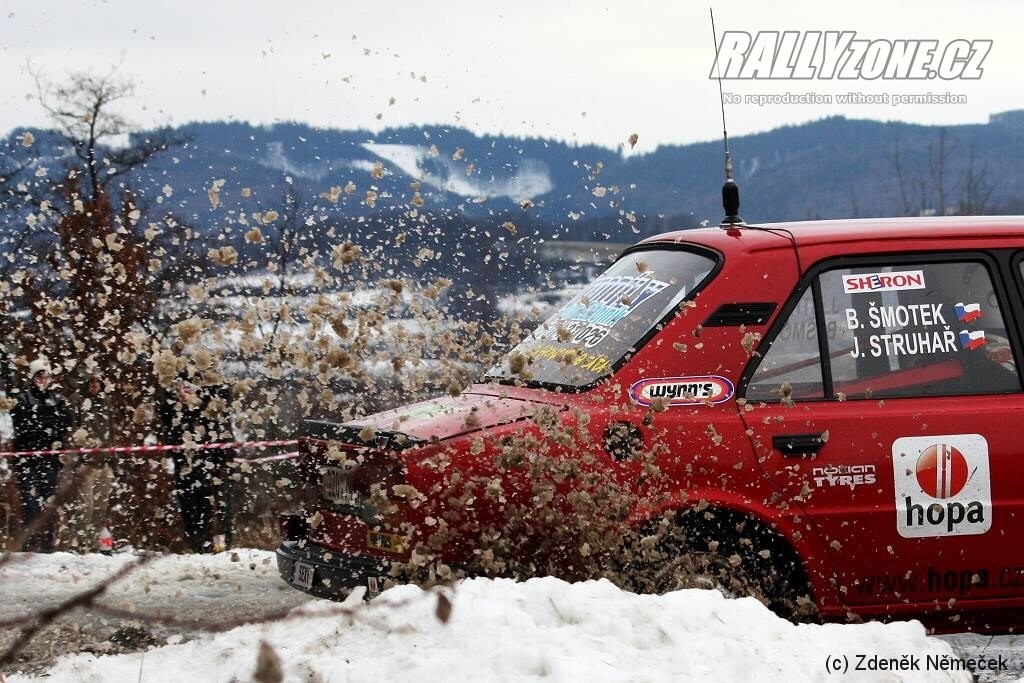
730 191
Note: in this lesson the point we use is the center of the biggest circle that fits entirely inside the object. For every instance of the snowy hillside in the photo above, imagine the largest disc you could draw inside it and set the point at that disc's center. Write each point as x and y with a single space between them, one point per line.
455 172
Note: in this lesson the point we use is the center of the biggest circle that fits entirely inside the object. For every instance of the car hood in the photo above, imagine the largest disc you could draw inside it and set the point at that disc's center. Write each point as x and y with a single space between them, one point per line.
446 417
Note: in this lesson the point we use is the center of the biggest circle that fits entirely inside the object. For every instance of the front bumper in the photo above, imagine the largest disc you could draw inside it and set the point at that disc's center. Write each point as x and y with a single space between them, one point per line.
334 574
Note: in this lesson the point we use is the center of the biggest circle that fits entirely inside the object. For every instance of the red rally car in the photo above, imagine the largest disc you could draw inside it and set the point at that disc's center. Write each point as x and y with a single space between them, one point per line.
828 410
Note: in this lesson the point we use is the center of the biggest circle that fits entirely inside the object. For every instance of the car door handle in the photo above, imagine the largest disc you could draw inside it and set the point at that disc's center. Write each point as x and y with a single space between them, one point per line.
796 445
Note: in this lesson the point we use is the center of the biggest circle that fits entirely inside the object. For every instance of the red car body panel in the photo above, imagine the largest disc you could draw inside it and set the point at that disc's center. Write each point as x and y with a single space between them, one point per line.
447 417
846 534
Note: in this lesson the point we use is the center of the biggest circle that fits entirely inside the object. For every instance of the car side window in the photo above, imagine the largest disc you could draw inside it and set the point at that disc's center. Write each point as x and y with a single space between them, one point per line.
791 368
925 329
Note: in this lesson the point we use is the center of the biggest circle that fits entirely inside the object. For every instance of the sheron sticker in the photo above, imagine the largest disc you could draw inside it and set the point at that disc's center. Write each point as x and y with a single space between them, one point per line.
682 391
883 282
942 485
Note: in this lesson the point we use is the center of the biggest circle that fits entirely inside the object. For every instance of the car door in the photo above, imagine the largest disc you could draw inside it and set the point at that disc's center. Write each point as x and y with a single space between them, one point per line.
885 408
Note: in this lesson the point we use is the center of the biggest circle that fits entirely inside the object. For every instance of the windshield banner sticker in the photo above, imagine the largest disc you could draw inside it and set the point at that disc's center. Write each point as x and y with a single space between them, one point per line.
590 315
597 363
681 391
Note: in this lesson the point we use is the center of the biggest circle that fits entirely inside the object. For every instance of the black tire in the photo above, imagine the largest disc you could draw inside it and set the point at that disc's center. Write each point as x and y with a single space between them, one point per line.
720 550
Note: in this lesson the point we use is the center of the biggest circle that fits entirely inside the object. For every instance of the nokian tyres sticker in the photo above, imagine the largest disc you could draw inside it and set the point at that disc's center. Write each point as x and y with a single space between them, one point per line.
943 485
682 391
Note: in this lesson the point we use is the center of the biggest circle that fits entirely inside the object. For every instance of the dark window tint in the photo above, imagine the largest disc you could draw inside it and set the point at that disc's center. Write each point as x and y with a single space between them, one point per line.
792 365
916 330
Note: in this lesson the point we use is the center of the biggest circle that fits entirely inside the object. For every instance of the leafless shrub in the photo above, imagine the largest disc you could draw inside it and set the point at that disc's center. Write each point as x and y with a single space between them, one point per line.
291 327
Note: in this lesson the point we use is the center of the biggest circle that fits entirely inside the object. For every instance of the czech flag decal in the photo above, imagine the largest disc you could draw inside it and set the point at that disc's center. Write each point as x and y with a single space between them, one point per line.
969 341
967 313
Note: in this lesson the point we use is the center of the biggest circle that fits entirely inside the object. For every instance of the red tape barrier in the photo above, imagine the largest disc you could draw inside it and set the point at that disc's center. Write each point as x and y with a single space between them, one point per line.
271 458
155 449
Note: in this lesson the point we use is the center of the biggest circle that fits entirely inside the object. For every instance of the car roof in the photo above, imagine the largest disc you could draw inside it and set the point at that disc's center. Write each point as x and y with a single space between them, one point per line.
834 232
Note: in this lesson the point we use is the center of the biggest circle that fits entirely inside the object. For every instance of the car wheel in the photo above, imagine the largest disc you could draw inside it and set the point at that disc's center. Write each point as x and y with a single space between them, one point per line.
750 561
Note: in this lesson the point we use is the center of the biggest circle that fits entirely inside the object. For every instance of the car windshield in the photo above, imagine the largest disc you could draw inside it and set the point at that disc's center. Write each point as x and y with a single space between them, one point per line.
606 320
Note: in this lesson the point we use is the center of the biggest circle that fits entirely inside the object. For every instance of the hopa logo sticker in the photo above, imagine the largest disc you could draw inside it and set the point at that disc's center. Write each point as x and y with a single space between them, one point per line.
943 485
681 391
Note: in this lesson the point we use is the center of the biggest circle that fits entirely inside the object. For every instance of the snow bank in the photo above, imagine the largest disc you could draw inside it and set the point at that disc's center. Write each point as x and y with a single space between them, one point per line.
185 586
540 629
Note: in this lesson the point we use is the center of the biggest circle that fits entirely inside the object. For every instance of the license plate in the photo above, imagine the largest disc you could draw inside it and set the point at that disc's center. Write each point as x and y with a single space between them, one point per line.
302 575
381 540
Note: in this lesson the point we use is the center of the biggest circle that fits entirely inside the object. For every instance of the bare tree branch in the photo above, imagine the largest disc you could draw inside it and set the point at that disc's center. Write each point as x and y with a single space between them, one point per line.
44 617
286 241
80 108
906 198
977 188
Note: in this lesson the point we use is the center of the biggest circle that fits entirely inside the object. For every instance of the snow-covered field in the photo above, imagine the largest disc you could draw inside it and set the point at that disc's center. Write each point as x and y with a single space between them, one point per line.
497 630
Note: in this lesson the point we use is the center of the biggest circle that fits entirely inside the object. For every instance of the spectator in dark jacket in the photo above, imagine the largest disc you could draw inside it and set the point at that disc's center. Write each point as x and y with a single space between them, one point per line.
191 414
41 422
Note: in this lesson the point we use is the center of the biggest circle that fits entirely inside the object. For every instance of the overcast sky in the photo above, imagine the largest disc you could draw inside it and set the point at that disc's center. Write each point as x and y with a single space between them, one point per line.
575 70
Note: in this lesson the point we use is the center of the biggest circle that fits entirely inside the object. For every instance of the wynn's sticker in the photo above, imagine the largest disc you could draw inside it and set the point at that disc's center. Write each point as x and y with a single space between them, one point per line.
681 391
883 282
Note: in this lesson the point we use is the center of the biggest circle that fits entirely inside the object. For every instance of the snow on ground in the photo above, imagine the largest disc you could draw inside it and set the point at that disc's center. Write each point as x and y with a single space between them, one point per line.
498 630
185 586
529 179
